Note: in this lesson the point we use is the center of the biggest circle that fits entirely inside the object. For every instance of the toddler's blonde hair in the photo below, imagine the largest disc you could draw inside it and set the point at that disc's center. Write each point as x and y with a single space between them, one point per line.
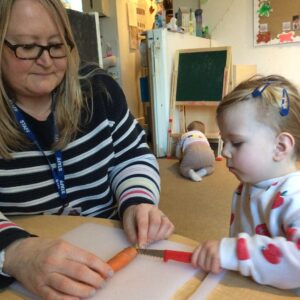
269 104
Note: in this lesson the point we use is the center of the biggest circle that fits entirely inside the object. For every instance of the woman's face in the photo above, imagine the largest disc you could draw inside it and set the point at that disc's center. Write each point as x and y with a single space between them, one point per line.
30 23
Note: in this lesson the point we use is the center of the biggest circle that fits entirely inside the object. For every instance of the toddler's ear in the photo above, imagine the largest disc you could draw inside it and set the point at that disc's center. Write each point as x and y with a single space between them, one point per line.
285 144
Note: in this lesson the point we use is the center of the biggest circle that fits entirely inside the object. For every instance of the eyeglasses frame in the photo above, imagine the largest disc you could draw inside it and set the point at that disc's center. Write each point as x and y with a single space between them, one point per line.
42 49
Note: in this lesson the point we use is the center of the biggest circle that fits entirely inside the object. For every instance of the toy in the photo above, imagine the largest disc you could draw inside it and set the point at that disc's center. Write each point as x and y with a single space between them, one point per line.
172 25
194 152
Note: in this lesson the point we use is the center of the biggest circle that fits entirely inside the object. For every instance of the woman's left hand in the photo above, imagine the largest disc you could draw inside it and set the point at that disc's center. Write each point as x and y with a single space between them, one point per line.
146 223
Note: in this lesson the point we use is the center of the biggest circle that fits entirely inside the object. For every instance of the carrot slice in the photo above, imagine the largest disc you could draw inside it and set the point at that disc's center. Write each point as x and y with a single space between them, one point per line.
122 258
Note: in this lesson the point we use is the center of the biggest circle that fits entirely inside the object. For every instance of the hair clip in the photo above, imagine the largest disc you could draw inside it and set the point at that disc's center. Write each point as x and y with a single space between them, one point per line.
285 100
285 103
259 90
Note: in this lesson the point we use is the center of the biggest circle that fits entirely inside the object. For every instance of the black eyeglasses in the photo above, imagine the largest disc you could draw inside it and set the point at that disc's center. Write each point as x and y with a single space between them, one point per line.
34 51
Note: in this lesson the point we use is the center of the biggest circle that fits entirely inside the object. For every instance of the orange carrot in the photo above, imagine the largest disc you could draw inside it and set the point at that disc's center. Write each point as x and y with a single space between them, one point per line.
122 258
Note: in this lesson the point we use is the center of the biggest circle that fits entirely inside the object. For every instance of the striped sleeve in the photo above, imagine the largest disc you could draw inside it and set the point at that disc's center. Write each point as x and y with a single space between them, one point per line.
136 181
135 174
9 232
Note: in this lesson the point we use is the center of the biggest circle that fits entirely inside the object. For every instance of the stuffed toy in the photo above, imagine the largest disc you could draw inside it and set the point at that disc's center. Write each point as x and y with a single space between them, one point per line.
194 152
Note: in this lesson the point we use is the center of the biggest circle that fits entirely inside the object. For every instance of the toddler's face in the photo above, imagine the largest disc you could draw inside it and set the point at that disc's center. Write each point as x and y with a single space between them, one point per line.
249 145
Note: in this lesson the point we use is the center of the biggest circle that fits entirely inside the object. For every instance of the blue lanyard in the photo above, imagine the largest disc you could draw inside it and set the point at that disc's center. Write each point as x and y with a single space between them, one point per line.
58 172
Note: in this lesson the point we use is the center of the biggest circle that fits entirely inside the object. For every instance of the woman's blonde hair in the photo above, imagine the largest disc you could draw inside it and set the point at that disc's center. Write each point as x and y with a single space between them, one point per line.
277 101
69 100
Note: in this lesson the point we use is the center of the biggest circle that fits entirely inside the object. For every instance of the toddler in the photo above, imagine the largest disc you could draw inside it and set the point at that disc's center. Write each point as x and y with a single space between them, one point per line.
259 123
194 152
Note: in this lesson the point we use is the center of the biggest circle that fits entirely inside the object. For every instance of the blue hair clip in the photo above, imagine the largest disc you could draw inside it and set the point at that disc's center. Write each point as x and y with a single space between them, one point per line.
285 103
259 90
285 100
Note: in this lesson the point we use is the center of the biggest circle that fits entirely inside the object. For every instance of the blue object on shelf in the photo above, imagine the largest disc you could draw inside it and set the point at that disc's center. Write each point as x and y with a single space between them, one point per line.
144 89
198 17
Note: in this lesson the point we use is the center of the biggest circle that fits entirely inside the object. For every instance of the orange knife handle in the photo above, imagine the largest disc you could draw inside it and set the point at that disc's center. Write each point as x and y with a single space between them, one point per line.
181 256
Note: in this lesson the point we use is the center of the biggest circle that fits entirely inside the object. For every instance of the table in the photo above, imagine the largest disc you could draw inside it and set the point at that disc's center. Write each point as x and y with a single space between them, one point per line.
232 287
55 226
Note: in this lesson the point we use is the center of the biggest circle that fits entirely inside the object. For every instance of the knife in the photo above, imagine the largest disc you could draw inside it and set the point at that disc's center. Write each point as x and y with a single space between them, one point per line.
166 255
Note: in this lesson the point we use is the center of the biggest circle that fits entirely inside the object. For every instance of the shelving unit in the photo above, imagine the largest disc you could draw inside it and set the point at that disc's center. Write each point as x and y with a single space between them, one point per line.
100 6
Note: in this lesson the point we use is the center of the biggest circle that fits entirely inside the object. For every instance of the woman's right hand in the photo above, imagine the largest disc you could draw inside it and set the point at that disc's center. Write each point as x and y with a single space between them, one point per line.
55 269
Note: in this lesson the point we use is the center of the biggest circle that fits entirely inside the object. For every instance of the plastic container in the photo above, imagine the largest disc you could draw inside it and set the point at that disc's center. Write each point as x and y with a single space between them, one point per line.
198 17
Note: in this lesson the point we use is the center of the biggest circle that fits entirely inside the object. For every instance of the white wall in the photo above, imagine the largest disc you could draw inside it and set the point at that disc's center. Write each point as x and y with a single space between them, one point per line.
74 4
129 60
109 35
231 24
115 30
193 4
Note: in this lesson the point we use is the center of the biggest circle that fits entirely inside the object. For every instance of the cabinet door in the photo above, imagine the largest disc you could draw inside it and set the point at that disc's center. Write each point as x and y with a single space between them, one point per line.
100 6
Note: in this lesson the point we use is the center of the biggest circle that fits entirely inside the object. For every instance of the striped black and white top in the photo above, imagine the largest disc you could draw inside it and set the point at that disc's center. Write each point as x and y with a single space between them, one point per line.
108 167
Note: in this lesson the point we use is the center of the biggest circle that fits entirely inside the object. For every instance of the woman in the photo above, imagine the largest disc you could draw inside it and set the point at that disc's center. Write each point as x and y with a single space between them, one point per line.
68 145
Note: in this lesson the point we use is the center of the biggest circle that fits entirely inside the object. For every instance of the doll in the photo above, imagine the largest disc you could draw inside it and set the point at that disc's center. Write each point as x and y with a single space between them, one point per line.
194 152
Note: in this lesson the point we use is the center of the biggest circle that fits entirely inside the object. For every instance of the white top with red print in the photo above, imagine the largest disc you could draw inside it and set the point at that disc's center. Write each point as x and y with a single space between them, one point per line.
264 238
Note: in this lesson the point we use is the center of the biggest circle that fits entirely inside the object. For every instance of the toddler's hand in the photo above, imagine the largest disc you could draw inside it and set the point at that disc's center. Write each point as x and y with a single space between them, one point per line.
206 256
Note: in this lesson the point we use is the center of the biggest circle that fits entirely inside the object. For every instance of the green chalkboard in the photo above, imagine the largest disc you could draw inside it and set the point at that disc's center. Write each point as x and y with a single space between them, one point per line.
201 75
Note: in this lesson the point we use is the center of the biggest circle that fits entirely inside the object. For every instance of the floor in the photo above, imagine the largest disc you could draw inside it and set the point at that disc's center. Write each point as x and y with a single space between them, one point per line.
199 210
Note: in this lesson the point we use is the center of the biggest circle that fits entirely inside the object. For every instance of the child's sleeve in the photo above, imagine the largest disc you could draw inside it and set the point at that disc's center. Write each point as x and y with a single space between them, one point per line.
270 261
274 258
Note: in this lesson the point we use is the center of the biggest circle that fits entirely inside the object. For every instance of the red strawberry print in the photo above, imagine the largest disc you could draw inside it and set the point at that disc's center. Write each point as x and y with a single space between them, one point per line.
231 218
272 254
242 251
290 232
272 184
262 229
298 244
278 199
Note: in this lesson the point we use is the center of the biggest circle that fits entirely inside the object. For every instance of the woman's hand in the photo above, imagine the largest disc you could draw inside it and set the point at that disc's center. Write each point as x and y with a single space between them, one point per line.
55 269
145 223
206 256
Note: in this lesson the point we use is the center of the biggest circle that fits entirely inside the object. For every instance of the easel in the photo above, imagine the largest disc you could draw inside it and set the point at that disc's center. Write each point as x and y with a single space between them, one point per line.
180 108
